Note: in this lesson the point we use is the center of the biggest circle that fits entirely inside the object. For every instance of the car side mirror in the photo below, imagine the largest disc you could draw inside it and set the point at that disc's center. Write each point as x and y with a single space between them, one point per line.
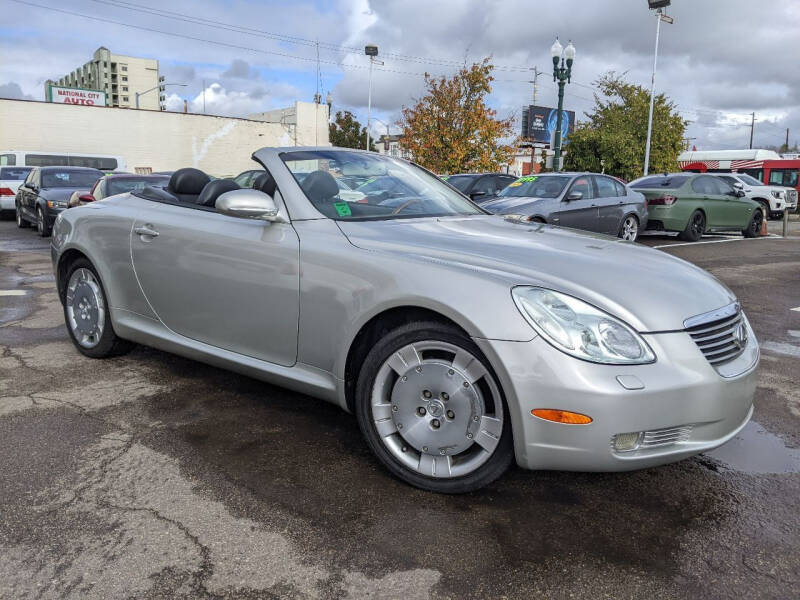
740 193
249 204
575 196
738 186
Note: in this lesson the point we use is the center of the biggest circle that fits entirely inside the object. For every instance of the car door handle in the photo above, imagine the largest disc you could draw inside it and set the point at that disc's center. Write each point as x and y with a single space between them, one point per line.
145 230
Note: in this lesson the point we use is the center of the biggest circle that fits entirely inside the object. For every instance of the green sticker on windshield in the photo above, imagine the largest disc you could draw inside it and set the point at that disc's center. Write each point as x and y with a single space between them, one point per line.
527 178
342 208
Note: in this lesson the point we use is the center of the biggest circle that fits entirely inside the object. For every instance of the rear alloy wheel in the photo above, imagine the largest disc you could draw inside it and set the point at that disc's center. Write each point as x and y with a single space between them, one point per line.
431 410
21 222
41 224
630 229
754 227
695 228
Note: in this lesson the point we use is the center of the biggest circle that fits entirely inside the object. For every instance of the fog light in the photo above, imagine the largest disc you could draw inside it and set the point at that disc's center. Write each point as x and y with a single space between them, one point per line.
625 442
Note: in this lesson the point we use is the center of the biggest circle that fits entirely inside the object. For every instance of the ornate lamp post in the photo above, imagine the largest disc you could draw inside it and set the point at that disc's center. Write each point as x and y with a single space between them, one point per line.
562 75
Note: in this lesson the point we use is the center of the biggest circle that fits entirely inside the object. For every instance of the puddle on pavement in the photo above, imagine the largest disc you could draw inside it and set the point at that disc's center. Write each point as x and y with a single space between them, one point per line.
756 450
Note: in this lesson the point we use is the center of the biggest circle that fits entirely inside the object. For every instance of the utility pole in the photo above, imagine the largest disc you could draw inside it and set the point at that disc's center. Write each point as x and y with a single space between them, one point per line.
787 139
534 81
752 127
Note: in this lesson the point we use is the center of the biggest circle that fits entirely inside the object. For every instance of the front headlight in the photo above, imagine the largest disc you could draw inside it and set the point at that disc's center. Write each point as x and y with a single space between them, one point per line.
580 329
56 204
777 194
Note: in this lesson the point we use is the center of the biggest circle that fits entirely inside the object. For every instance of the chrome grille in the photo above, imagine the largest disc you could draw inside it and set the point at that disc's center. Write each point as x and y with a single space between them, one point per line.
665 437
720 335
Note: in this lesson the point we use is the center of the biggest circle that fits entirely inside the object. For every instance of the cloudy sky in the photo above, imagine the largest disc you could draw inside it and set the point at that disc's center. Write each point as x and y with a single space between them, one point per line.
719 61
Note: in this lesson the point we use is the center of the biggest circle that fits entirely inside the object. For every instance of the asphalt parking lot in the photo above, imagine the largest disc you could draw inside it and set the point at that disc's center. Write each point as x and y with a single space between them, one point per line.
153 476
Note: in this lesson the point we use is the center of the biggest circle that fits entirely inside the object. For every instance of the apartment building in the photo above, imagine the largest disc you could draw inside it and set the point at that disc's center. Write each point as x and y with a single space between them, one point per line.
120 77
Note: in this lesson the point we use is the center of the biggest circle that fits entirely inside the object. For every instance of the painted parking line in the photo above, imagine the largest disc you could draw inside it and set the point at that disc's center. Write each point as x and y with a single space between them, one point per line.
795 309
735 239
12 292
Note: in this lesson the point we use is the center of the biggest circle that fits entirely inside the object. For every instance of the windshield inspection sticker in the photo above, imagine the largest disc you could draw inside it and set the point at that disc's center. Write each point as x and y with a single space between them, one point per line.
342 209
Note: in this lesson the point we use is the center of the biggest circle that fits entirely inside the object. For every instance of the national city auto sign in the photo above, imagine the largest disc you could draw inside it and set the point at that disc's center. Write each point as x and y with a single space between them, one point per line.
62 95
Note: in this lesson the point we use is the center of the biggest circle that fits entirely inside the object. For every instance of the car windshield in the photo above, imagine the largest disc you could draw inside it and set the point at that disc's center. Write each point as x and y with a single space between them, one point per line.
536 186
12 173
745 178
67 178
661 181
390 188
133 184
460 182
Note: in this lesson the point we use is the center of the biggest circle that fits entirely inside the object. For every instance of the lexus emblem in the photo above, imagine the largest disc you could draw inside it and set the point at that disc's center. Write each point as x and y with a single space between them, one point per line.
740 336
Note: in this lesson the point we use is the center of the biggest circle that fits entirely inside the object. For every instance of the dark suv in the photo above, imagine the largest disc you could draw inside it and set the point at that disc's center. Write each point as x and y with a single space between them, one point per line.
480 187
46 192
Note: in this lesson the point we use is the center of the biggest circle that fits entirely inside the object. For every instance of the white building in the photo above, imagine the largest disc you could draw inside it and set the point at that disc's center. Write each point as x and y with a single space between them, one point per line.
119 76
392 145
156 140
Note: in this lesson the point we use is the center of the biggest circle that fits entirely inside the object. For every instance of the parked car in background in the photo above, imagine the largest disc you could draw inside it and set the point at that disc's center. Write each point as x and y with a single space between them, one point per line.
10 180
111 185
246 179
46 192
39 158
693 204
594 355
480 187
589 201
774 199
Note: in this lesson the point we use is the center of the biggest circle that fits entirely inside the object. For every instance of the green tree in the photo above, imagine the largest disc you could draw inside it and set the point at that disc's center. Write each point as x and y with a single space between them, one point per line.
616 132
347 132
451 130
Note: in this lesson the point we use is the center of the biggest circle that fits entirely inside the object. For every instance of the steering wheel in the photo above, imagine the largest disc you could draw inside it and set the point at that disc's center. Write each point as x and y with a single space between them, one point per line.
404 204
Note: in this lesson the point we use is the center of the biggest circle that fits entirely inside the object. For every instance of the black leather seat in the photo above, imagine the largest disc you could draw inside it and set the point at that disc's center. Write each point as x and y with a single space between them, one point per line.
186 184
320 187
265 182
214 189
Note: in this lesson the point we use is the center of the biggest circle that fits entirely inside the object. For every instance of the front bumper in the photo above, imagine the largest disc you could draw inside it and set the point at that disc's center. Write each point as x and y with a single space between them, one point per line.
680 390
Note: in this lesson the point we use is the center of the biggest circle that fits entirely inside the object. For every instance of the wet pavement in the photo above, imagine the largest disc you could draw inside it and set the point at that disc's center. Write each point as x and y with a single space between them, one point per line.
153 476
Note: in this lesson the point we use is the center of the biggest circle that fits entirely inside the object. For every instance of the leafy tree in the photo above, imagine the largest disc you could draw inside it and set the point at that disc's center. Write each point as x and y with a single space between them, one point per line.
451 130
347 132
616 132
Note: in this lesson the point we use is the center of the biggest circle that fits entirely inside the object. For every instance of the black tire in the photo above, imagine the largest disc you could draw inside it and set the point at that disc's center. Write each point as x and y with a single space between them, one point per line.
754 227
695 227
41 223
392 341
109 344
22 222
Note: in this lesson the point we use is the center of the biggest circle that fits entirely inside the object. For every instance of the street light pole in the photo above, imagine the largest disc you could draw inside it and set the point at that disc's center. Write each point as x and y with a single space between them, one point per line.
660 17
562 75
370 50
159 87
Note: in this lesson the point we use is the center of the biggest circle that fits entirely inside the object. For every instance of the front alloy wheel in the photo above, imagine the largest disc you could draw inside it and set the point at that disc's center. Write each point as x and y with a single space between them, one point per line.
432 410
630 229
21 222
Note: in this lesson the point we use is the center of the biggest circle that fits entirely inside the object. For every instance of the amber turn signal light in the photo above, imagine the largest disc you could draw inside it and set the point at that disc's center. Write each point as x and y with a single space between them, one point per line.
561 416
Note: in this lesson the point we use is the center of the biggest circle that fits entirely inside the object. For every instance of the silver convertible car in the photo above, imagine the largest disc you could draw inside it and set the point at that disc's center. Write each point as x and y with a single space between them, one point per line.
460 340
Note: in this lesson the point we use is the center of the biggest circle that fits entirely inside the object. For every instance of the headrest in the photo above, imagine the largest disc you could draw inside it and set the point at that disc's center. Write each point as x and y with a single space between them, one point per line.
265 183
320 186
214 189
188 181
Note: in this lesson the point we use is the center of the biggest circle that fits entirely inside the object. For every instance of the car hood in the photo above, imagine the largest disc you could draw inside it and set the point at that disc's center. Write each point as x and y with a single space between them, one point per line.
58 194
647 288
512 204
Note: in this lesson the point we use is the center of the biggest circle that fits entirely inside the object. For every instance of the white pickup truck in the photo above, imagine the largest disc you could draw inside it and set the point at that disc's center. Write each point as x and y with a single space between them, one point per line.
774 198
10 180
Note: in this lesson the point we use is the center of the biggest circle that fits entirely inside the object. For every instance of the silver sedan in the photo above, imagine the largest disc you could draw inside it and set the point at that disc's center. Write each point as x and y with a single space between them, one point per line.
460 340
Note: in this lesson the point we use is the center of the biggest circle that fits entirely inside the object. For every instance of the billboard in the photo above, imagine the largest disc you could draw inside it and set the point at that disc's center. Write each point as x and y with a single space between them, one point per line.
539 123
63 95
